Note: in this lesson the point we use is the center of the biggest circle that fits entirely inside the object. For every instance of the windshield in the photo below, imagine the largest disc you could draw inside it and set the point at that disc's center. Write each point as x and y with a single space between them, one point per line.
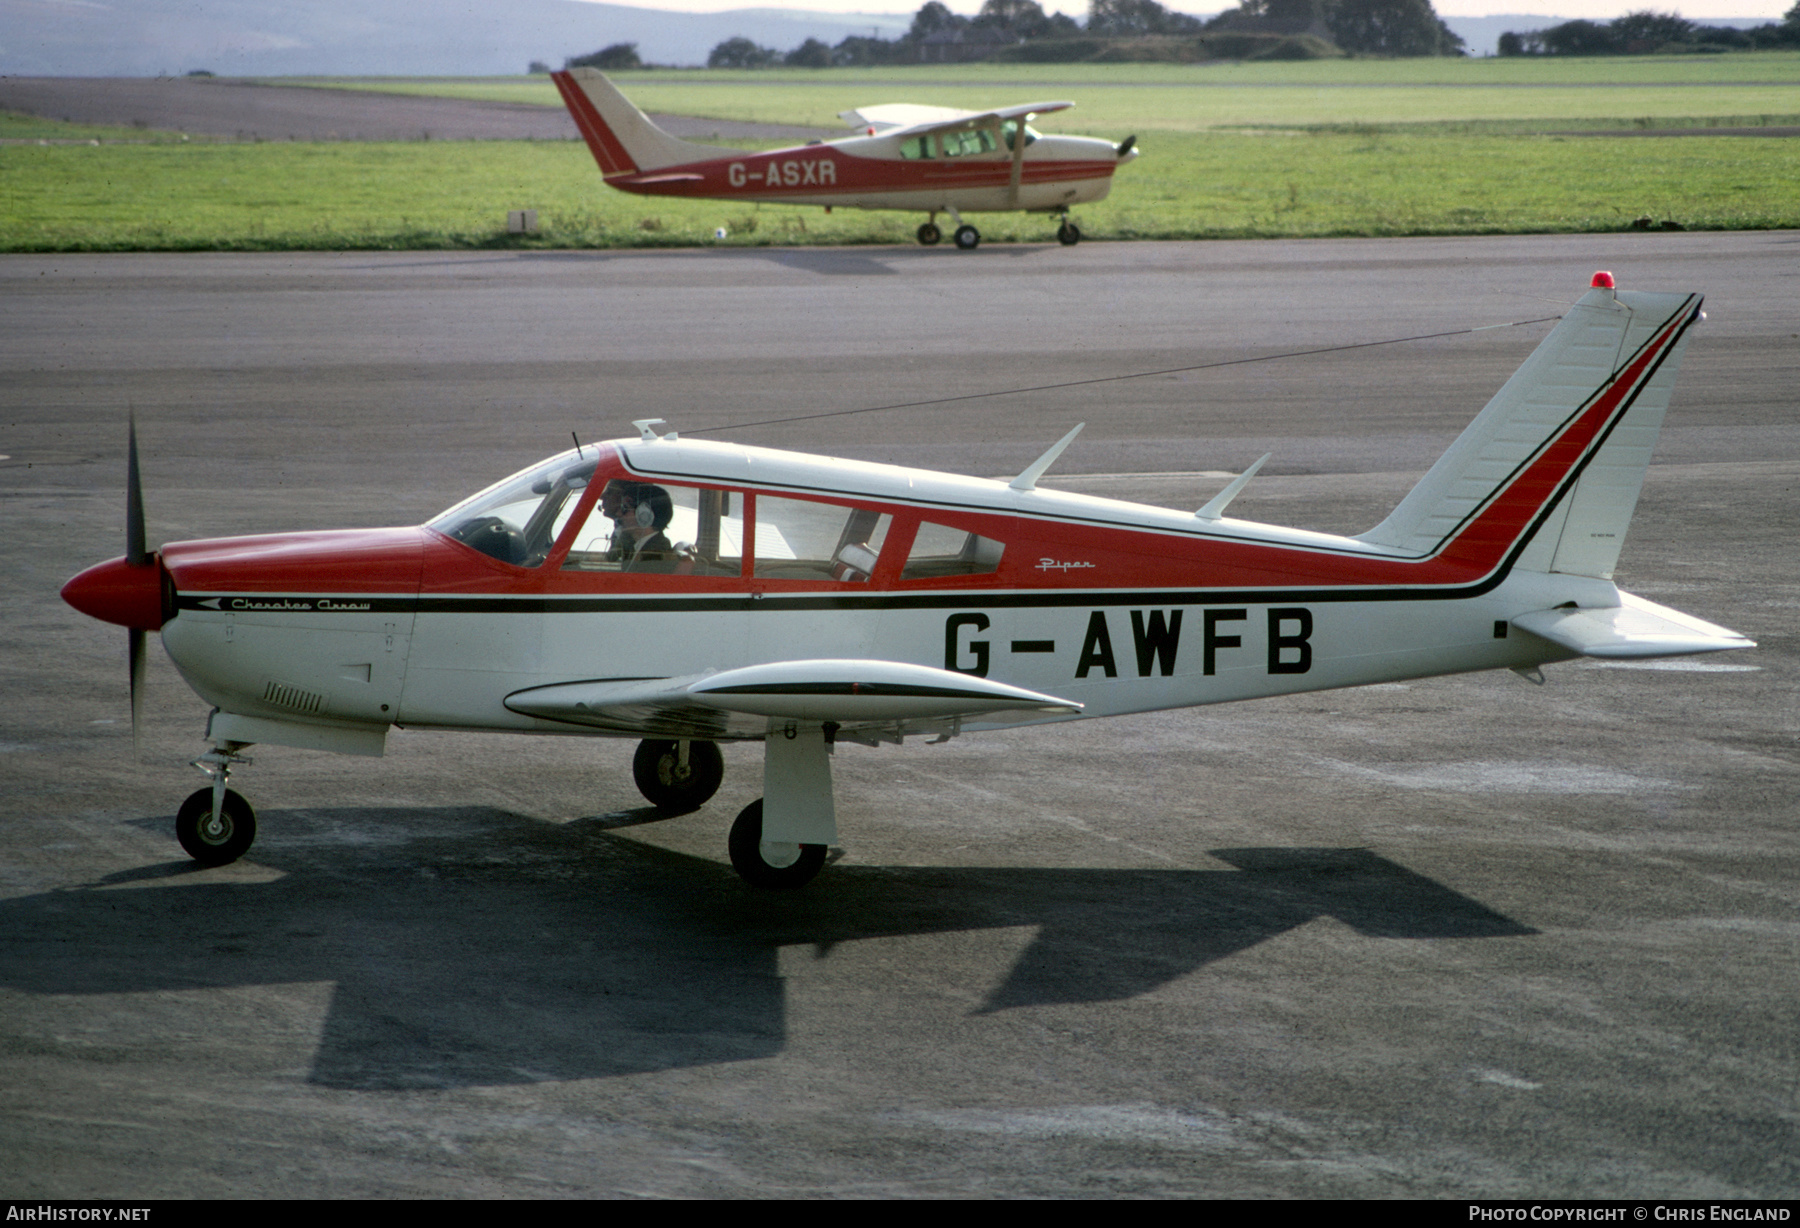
517 520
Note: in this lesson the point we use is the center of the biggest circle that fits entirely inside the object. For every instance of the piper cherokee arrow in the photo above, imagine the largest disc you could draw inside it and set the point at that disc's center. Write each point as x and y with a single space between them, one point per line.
930 159
686 593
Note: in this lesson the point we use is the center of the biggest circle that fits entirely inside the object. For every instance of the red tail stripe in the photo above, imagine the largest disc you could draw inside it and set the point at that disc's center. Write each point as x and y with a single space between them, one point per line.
607 151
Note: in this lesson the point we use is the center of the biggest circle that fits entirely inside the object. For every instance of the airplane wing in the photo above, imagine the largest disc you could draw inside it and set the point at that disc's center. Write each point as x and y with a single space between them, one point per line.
1633 629
893 115
882 697
909 117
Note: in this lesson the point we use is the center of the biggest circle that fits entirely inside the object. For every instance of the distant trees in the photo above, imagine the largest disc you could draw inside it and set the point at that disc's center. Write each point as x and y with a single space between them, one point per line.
1646 31
608 59
1136 18
1390 27
1021 30
740 52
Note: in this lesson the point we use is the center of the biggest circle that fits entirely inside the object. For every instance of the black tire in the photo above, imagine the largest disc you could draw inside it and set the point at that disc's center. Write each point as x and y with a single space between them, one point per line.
1068 234
657 769
929 233
967 238
749 860
235 834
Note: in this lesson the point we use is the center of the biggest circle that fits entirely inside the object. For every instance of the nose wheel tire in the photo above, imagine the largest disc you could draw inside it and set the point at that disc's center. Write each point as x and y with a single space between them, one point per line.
1068 234
929 233
967 238
770 865
669 786
215 843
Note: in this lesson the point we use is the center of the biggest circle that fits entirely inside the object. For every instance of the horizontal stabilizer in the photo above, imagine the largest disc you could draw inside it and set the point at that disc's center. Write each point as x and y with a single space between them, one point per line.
1633 629
740 703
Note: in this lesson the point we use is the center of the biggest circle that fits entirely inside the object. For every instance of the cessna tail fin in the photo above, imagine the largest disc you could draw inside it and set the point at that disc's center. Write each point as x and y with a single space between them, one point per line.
623 139
1549 473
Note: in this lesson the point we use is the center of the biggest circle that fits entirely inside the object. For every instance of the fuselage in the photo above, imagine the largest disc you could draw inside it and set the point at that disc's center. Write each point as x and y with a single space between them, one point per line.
869 172
1117 606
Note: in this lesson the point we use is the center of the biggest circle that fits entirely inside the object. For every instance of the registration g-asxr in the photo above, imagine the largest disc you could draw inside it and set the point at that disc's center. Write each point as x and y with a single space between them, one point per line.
686 593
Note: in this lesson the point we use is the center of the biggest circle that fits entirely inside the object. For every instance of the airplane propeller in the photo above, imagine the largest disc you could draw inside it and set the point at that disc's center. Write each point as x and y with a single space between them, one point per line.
136 555
1126 144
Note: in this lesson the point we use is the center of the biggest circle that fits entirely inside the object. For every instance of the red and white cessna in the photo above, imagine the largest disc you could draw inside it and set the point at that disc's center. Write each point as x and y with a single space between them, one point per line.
934 159
687 593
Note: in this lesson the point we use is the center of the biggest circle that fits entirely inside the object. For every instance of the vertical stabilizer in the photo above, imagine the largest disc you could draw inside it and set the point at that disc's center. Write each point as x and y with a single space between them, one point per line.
1558 456
623 139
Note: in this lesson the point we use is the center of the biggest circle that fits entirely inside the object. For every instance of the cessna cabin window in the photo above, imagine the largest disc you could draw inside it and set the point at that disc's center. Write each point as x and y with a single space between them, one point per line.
519 519
971 141
1009 130
800 540
916 147
657 528
938 551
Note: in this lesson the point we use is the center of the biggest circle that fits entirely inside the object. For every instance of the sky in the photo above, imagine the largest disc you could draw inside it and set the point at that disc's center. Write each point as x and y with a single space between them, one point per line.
1593 10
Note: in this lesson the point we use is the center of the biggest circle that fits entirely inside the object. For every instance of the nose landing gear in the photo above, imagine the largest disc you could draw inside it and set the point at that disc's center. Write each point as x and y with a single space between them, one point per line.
215 825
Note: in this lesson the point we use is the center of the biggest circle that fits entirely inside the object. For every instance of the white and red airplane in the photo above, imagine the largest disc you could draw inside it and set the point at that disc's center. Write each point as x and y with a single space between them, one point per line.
930 159
687 593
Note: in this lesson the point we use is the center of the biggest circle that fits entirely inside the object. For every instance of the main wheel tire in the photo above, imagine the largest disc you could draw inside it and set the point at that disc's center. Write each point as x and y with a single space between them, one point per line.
929 233
657 769
217 844
770 865
1068 234
967 238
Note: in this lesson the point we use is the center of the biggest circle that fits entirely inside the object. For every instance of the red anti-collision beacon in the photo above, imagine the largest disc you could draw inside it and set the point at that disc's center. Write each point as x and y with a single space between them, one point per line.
1602 281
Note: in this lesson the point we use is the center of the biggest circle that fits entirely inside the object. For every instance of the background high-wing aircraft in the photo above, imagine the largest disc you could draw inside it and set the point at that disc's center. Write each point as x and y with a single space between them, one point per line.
931 159
685 593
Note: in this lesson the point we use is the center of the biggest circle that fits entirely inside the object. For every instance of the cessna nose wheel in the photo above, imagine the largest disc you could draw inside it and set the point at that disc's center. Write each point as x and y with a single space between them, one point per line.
929 233
1068 234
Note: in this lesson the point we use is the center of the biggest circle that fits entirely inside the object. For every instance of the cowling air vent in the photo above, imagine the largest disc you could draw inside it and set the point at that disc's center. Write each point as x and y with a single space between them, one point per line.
293 698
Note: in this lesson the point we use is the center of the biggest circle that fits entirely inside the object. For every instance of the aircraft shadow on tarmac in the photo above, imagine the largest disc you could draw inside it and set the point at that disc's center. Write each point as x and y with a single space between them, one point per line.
477 947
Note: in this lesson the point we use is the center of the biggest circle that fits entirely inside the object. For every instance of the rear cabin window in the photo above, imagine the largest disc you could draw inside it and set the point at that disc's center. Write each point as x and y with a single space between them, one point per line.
800 540
657 528
939 550
916 147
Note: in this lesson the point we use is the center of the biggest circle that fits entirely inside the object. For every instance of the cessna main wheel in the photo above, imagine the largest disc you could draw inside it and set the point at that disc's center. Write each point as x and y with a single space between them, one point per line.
770 865
667 784
215 843
929 233
967 237
1068 234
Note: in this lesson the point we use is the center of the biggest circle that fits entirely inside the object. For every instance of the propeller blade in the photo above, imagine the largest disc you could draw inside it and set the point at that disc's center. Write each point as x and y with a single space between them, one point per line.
1126 144
135 552
137 689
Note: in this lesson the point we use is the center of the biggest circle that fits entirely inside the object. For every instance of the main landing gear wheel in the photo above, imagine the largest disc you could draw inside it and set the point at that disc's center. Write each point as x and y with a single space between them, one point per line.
929 233
215 843
967 237
1068 234
667 784
770 865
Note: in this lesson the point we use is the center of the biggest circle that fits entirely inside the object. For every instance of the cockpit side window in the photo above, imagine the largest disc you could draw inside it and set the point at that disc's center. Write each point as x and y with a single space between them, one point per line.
518 520
659 528
917 146
1009 130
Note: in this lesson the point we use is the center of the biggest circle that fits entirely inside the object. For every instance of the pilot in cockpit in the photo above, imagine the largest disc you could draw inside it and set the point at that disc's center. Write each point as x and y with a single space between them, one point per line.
640 511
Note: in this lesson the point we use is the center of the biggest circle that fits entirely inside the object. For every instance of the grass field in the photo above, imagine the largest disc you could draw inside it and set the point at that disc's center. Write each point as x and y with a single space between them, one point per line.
1220 185
1282 154
1114 99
